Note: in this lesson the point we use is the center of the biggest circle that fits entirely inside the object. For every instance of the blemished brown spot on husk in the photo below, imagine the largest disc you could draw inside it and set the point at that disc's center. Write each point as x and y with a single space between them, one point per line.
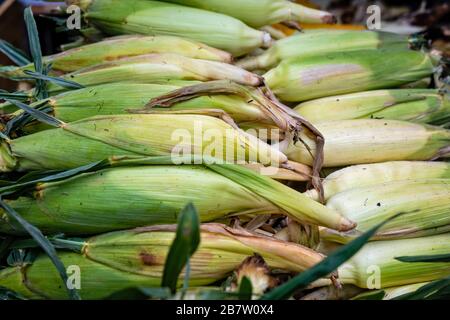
149 259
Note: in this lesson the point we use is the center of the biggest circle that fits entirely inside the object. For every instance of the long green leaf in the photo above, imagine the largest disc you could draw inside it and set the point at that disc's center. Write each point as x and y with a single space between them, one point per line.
245 289
324 268
183 247
14 54
15 95
44 243
38 114
428 258
58 81
36 52
428 291
23 185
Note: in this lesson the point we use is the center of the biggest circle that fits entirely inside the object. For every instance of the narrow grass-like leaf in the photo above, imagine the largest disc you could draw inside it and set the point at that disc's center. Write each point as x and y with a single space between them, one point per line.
428 258
37 114
378 295
427 291
245 289
44 243
5 95
10 189
324 268
14 54
183 247
25 118
58 81
36 52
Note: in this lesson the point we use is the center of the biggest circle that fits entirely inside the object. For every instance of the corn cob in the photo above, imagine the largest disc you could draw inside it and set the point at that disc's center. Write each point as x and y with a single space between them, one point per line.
159 18
392 293
346 72
119 47
140 199
425 203
375 266
120 260
121 98
369 141
318 42
362 176
415 105
97 138
259 13
157 68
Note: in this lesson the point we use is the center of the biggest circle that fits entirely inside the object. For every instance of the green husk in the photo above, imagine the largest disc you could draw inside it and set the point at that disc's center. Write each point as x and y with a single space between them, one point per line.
301 79
415 105
127 197
135 258
101 137
364 141
367 175
122 98
425 203
158 68
120 47
259 13
319 42
160 18
376 261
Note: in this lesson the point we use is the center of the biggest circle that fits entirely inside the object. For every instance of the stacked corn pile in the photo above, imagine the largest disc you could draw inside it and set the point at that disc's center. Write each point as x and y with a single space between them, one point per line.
132 119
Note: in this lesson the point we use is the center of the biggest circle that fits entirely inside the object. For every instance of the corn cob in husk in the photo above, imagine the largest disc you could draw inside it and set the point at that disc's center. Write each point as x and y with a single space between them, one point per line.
160 18
368 175
97 138
415 105
140 199
319 42
245 106
369 141
346 72
159 68
424 202
119 47
259 13
113 262
375 266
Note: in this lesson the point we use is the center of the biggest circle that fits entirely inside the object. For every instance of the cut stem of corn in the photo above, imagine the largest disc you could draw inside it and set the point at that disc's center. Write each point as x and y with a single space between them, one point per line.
161 18
319 42
259 13
116 261
126 197
123 46
369 141
415 105
301 79
425 204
